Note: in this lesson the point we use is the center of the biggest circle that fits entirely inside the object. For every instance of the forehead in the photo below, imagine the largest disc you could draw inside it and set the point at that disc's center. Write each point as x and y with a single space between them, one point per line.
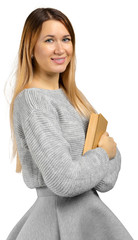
53 27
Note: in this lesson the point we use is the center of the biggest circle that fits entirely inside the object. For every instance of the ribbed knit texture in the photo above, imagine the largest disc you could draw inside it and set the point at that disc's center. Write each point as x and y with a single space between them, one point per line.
50 136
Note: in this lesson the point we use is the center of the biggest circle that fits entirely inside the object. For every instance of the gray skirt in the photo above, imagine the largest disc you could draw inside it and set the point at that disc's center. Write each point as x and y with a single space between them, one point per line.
83 217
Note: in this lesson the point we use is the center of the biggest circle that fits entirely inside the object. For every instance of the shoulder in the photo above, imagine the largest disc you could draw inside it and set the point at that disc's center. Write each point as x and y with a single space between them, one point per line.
30 100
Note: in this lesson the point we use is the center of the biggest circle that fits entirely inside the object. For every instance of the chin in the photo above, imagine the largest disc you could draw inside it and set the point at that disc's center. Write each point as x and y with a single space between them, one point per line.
60 70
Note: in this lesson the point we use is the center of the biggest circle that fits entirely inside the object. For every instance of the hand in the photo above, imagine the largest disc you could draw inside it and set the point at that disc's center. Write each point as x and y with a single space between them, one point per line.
108 144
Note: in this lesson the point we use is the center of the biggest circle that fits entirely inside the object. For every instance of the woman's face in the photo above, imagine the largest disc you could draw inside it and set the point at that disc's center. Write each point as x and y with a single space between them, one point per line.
53 49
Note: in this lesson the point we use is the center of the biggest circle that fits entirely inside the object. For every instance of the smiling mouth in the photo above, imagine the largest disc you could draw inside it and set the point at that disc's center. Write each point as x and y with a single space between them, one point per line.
58 60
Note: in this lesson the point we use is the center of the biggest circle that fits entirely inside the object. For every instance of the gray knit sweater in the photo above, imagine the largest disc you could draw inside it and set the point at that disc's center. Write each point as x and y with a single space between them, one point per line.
50 136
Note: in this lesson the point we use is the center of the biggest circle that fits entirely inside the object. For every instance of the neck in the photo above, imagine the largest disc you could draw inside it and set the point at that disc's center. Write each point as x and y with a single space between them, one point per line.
46 80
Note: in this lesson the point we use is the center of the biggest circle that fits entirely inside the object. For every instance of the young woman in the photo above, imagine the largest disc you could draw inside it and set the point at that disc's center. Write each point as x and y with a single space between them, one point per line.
49 118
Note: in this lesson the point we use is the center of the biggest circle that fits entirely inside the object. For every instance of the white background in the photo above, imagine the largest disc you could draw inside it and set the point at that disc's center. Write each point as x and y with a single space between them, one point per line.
107 73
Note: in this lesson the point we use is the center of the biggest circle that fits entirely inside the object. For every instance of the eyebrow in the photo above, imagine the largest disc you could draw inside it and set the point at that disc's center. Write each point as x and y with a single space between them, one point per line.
54 36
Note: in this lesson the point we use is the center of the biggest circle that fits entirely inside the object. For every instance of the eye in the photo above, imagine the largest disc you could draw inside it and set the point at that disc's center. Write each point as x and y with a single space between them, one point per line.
66 39
49 40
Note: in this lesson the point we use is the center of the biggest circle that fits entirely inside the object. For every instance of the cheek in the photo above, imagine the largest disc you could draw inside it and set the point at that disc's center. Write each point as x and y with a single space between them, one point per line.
69 50
42 52
38 54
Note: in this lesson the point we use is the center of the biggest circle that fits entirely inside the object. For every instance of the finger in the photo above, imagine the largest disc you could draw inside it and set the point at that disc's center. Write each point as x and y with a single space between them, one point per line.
112 139
106 133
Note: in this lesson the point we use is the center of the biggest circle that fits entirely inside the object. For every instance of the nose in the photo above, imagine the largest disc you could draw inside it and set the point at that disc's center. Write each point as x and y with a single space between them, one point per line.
59 48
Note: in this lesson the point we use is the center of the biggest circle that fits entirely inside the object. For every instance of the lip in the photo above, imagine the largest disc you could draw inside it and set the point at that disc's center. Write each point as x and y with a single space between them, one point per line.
60 60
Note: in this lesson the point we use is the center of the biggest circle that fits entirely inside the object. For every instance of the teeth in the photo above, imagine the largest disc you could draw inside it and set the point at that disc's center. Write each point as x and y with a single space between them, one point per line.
59 59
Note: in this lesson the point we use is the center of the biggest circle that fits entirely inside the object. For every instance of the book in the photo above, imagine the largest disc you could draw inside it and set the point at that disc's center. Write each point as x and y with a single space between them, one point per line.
96 127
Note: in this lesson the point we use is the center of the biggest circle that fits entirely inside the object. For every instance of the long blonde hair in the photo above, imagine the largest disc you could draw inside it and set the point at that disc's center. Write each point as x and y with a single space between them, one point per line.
25 68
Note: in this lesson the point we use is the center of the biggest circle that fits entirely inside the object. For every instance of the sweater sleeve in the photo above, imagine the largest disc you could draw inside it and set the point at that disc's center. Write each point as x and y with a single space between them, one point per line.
110 179
51 153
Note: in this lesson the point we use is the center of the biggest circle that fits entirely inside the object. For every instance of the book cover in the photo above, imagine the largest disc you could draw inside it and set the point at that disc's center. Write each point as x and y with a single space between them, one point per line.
96 127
